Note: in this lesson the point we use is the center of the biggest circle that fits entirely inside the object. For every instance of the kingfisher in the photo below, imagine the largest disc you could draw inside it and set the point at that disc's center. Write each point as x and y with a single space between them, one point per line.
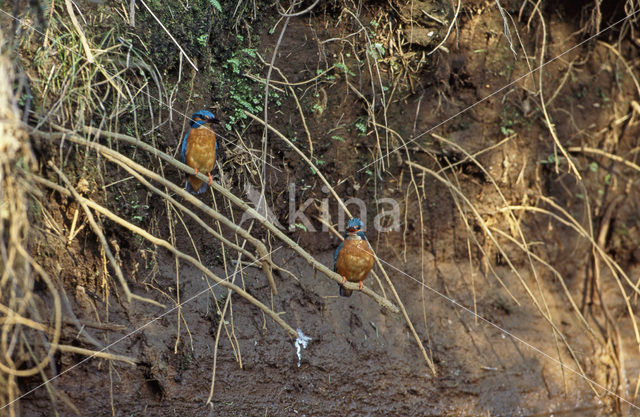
353 259
198 150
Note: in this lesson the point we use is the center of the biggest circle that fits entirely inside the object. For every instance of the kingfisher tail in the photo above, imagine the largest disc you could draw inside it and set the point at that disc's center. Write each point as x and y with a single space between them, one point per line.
345 292
194 183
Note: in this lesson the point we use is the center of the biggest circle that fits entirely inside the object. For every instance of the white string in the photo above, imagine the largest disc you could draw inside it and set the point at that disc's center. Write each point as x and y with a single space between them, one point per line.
366 166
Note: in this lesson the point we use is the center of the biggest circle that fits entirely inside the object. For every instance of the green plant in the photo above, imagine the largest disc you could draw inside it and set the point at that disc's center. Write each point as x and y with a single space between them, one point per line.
361 125
202 39
551 159
509 118
244 93
216 4
506 72
506 128
23 98
190 26
344 68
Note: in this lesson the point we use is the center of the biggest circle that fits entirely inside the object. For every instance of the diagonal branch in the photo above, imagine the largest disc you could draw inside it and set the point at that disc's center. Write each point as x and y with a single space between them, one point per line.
164 244
219 189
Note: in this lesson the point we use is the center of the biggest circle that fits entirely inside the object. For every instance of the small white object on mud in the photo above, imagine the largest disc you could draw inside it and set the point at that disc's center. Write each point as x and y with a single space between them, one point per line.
302 340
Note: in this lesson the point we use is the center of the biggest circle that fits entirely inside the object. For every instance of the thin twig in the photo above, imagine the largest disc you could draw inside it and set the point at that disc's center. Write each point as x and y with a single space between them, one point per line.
260 247
226 193
550 125
170 35
105 245
164 244
76 25
453 22
98 354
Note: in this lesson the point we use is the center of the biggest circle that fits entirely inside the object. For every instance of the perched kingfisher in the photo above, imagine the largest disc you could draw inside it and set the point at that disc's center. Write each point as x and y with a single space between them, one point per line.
353 259
198 150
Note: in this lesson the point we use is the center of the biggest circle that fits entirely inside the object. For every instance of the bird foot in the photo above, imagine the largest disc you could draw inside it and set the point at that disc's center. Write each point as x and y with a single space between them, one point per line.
196 171
344 279
360 285
210 179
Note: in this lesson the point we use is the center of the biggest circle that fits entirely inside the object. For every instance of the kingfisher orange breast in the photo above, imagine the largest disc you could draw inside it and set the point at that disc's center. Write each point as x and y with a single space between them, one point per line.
355 260
201 149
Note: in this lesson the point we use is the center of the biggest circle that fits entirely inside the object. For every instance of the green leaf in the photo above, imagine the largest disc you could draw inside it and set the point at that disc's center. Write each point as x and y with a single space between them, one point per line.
202 39
551 159
506 130
216 4
235 65
250 51
338 138
344 68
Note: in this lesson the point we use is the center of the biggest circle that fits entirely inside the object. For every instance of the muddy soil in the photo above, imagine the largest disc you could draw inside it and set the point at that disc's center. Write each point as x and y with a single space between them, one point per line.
361 360
495 353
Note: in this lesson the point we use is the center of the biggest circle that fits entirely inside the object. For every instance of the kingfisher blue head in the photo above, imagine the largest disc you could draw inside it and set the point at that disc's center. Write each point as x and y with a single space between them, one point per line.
354 225
201 117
